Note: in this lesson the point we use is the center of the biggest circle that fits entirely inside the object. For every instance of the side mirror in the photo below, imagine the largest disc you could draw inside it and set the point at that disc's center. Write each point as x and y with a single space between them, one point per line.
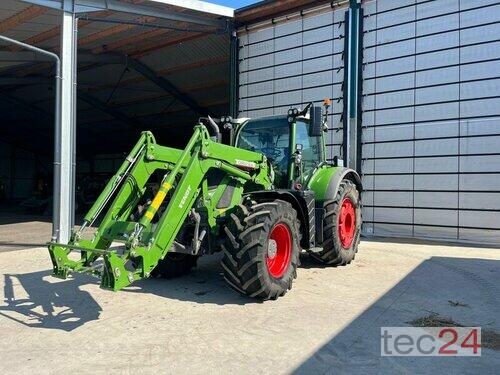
316 122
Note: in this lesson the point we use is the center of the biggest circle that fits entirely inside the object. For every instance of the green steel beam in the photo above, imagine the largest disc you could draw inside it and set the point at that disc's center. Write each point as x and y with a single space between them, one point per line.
234 84
354 12
354 35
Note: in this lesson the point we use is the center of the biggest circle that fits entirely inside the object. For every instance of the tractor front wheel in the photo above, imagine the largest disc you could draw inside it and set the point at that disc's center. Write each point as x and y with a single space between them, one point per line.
262 249
341 227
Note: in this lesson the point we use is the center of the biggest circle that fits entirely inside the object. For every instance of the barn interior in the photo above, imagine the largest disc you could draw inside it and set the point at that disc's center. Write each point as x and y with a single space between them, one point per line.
134 73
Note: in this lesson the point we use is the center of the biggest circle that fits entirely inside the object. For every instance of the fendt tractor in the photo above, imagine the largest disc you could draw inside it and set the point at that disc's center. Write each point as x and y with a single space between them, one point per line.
260 200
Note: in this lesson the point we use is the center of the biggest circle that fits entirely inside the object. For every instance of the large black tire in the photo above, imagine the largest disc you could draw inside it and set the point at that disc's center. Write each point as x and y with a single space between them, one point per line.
174 265
253 263
339 249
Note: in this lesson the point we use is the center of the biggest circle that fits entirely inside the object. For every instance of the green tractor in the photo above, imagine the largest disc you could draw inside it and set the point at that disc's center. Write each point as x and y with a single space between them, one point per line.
260 200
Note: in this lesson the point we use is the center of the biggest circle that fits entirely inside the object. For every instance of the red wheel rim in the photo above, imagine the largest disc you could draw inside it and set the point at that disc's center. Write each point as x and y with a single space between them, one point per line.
347 223
279 250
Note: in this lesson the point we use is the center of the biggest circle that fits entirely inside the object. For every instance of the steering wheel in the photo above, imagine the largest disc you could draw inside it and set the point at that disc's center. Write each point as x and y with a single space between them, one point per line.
271 152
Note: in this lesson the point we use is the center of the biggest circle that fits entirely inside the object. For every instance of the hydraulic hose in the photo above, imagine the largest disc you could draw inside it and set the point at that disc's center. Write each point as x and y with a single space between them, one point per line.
216 129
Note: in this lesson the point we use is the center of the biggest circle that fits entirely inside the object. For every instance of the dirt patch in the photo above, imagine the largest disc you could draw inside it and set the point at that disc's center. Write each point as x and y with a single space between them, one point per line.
434 320
458 303
489 339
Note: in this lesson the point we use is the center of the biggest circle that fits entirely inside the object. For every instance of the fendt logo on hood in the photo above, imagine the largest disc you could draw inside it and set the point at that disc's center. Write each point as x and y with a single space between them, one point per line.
185 196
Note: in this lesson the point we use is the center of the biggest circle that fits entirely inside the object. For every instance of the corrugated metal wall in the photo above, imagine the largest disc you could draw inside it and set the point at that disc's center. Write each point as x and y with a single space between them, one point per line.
292 63
431 107
431 119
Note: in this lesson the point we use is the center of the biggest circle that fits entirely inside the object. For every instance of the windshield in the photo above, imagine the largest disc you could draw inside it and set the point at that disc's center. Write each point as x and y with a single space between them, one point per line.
270 137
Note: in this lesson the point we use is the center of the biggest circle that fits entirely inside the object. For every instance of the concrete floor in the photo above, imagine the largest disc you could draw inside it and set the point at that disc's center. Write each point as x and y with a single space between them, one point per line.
328 323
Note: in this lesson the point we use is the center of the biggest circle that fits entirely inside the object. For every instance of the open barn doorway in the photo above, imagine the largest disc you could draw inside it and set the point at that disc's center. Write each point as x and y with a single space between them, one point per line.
135 73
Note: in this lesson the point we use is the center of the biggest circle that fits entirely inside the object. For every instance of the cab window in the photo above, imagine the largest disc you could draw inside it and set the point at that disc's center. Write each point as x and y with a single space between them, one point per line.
270 137
312 148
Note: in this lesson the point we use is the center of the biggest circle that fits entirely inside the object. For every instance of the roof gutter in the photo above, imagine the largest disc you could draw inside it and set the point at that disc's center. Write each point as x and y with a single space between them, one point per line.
288 16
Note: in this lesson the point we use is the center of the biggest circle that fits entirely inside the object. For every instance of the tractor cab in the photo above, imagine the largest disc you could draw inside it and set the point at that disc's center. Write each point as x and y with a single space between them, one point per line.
293 143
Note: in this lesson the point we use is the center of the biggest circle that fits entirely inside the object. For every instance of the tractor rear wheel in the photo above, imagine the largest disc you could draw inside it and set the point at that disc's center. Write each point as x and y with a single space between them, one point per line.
262 249
341 227
174 265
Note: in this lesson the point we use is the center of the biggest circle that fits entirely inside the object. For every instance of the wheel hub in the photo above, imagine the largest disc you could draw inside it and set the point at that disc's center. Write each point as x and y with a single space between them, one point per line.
272 249
279 250
347 223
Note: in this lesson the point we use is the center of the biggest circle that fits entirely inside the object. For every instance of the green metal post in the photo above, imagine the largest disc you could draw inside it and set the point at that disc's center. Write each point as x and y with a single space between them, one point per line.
353 83
291 167
234 84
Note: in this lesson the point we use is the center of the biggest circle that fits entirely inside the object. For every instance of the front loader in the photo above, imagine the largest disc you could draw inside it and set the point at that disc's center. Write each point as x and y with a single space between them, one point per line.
260 200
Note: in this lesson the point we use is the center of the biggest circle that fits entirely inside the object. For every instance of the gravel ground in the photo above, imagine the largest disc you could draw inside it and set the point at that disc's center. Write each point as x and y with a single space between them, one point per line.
328 323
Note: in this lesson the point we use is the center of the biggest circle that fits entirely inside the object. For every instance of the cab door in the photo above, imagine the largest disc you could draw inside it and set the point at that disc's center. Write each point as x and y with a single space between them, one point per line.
312 149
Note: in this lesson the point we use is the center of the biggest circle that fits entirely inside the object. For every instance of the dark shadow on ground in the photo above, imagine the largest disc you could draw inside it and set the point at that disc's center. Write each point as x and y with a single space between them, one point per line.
14 246
307 262
466 290
16 214
16 218
34 302
205 284
61 304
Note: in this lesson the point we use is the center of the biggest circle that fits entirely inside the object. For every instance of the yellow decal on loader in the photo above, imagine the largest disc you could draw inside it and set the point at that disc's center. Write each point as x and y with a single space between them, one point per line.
160 196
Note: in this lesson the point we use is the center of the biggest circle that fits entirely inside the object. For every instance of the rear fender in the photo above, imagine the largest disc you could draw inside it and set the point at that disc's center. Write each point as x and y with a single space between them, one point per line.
336 179
325 183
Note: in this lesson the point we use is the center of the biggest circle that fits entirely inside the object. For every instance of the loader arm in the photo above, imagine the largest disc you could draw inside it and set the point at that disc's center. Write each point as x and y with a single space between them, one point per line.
146 242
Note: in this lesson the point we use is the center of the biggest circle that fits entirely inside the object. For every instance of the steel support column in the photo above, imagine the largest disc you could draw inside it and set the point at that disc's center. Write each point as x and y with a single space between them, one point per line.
73 123
234 67
352 135
66 143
